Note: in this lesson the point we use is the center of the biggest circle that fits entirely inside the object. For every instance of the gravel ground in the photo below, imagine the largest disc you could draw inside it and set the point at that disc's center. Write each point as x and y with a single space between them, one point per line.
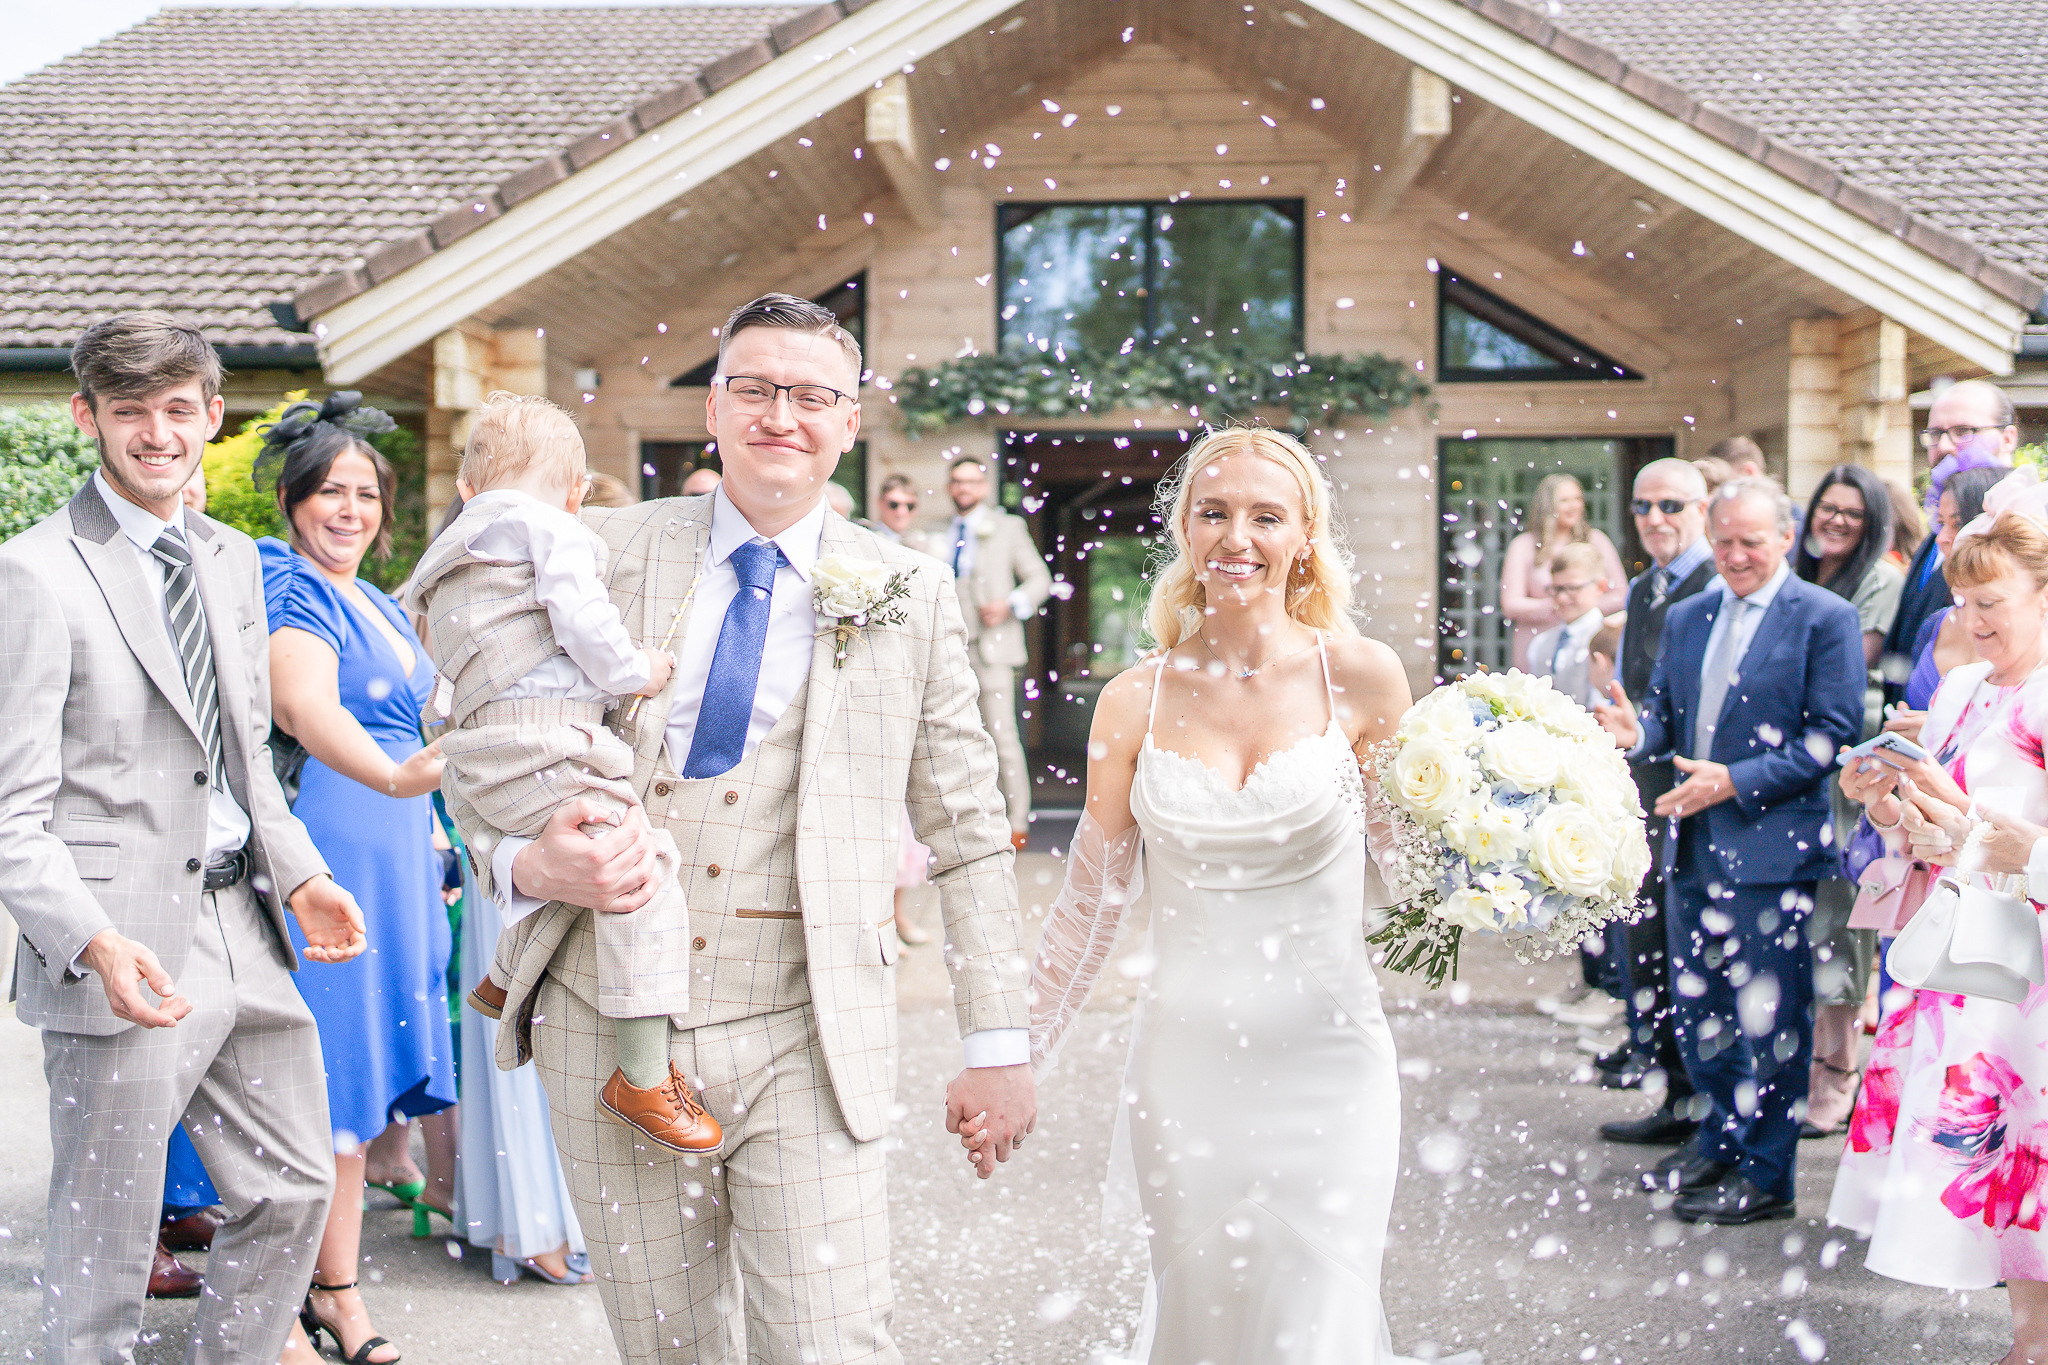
1516 1231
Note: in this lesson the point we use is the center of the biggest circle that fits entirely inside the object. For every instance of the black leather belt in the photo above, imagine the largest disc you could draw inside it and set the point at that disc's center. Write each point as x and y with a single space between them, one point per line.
225 873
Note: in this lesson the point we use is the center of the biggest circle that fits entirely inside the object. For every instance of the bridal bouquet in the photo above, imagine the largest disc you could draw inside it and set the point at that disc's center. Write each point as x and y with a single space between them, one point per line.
1511 812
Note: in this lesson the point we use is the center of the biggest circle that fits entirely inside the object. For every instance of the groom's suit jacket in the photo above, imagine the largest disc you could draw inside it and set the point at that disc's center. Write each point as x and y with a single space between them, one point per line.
899 724
103 782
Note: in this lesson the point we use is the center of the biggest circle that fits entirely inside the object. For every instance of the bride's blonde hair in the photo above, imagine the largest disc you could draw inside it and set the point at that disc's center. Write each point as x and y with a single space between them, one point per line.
1318 592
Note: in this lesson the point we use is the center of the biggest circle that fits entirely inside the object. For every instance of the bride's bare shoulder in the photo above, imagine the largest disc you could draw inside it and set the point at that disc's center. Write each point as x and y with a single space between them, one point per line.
1367 664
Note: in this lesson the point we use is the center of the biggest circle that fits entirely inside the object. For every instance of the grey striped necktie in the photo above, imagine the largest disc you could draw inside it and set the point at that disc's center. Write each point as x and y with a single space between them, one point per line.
195 646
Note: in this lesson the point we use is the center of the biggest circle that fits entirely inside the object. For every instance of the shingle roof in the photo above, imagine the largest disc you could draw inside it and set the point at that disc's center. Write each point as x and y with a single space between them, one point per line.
218 159
1937 102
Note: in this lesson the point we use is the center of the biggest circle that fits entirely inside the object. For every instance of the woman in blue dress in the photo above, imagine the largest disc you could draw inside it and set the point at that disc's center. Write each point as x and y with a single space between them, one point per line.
349 680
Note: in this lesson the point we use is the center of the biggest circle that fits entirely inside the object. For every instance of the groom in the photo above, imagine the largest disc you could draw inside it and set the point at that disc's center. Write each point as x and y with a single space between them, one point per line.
780 770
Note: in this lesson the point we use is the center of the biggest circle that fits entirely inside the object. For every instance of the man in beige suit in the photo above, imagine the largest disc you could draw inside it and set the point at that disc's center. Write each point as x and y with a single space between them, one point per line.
149 859
781 769
1002 582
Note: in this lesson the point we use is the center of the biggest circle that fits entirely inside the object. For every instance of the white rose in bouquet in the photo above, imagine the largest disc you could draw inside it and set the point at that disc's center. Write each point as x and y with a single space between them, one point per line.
1569 848
1450 718
1631 860
1430 776
1594 775
1523 753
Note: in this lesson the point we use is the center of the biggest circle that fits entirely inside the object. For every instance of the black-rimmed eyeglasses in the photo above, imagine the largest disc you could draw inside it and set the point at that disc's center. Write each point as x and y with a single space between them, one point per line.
1931 437
754 396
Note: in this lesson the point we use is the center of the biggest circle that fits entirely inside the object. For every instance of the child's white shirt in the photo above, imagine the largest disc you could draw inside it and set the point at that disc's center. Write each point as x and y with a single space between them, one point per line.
599 660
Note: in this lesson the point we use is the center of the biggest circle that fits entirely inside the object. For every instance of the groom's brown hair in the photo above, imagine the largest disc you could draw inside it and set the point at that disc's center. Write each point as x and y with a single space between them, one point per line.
798 315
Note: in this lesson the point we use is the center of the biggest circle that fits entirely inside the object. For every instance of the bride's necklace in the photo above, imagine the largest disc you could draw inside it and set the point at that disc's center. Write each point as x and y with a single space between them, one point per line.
1243 673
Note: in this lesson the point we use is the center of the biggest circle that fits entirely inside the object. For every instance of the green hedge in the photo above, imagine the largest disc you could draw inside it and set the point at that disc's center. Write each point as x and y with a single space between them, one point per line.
44 458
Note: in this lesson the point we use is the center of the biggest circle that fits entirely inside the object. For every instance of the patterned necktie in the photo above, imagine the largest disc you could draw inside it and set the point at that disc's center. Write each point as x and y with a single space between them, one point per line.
195 646
728 705
1714 681
1660 587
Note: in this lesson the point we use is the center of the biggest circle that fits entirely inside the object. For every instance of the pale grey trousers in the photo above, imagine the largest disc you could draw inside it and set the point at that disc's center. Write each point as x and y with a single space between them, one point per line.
999 716
244 1069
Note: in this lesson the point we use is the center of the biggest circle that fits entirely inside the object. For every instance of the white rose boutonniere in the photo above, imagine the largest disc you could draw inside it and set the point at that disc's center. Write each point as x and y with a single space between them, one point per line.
854 594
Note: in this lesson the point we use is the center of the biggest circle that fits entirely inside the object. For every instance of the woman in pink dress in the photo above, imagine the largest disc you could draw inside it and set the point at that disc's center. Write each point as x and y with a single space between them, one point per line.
1557 517
1948 1145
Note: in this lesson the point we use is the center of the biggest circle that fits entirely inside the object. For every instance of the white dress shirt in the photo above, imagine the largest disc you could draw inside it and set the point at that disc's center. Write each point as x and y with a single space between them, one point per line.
1759 603
785 666
599 660
1563 653
227 824
963 533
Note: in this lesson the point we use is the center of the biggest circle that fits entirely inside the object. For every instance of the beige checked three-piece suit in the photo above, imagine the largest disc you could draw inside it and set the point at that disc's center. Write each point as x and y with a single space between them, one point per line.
103 825
776 1249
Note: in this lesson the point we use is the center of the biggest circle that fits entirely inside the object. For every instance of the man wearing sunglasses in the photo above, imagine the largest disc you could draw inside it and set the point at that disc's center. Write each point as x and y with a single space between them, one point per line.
1970 426
1670 507
897 510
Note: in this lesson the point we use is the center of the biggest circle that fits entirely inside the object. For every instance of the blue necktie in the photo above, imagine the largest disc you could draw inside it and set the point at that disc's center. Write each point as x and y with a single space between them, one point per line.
959 542
728 704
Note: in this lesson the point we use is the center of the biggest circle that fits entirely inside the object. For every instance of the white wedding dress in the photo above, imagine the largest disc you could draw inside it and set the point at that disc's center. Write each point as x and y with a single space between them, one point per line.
1262 1114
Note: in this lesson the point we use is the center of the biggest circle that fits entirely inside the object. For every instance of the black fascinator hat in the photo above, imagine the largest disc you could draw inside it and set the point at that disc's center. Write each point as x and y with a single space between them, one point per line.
301 446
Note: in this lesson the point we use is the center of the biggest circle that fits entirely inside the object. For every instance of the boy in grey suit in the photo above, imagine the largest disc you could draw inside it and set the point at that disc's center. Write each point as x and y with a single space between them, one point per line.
144 842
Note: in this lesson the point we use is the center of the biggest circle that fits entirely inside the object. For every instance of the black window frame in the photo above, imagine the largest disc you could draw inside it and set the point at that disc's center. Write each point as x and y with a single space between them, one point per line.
1456 290
1295 208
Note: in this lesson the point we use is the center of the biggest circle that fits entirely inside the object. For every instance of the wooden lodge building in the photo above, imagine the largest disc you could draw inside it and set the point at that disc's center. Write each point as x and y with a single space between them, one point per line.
1598 231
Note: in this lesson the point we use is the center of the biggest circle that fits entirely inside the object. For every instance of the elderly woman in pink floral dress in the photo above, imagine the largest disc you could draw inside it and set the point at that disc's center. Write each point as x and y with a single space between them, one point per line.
1947 1159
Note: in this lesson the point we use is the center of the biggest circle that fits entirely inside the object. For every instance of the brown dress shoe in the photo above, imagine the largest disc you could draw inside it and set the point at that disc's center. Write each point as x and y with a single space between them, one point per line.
170 1279
193 1232
487 998
668 1114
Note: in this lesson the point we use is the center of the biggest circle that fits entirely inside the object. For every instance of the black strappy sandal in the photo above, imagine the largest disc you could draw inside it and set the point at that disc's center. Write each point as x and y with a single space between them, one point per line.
314 1325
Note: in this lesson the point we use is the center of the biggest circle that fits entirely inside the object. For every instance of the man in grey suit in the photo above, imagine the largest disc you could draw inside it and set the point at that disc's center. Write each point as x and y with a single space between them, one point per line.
1002 583
148 857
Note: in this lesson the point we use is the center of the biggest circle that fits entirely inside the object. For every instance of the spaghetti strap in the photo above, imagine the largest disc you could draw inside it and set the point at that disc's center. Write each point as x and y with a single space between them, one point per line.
1158 685
1329 692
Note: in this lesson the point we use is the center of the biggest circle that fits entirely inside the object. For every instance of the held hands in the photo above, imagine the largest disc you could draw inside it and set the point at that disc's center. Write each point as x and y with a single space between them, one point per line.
120 963
614 870
1618 719
991 1108
418 775
330 919
661 666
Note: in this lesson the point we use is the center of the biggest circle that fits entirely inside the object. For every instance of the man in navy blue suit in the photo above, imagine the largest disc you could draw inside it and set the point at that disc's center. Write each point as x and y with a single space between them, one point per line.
1759 686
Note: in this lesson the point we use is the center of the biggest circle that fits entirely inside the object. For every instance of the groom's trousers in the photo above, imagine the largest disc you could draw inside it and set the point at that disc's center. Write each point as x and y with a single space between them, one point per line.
775 1249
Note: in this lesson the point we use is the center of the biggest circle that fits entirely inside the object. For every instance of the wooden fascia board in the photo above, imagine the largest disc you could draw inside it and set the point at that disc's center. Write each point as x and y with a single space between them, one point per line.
1672 158
382 323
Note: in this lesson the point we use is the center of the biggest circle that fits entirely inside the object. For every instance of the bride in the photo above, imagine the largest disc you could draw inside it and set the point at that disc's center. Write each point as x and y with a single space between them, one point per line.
1262 1115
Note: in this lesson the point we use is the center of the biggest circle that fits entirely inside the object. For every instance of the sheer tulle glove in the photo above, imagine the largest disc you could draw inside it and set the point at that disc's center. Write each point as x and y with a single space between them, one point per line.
1104 876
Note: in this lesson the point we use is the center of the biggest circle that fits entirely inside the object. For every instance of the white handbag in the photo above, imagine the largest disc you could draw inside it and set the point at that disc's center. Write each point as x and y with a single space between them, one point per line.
1970 941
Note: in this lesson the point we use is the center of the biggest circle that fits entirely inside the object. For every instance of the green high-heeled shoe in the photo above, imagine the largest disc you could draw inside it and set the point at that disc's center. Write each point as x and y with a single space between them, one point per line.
404 1191
422 1222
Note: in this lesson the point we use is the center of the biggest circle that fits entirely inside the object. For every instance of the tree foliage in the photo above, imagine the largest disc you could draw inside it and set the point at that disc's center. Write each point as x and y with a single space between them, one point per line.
1209 380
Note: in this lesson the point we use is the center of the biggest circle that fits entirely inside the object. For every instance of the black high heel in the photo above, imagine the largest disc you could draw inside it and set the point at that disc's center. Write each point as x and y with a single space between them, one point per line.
314 1325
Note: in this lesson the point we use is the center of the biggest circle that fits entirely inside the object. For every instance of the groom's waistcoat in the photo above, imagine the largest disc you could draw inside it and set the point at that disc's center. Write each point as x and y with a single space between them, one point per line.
736 834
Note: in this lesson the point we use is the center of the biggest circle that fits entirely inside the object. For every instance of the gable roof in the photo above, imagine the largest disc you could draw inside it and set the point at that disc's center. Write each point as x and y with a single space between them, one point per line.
1936 102
219 159
322 182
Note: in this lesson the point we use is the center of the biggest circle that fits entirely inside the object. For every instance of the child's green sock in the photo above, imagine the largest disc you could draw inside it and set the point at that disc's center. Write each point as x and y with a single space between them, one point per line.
643 1050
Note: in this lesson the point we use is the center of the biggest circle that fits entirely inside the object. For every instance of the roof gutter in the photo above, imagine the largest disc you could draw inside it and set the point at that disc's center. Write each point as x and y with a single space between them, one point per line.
52 359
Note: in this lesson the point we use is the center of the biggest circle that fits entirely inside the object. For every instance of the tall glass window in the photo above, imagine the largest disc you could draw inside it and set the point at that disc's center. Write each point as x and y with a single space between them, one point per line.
1108 277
